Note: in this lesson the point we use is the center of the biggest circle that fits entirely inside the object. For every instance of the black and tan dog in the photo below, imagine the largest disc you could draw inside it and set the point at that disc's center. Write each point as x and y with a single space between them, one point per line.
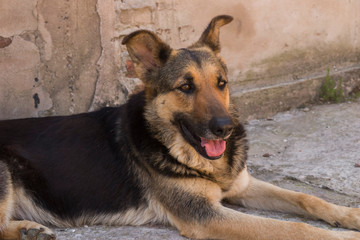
170 155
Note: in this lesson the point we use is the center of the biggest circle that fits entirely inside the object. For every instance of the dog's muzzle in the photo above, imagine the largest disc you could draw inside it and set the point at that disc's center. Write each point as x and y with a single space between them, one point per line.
209 140
221 126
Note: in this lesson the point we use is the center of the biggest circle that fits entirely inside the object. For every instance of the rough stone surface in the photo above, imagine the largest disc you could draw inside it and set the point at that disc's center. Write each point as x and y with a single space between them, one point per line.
316 147
313 150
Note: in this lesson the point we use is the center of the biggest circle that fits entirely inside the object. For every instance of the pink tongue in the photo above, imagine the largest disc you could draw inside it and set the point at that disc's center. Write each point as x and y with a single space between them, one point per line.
214 148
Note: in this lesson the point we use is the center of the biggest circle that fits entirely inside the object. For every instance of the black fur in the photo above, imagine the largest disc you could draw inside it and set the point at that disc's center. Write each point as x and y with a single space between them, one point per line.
180 202
236 142
4 181
196 56
76 164
91 162
174 68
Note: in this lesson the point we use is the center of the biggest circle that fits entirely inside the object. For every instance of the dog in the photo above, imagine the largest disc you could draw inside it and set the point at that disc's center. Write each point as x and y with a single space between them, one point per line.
170 155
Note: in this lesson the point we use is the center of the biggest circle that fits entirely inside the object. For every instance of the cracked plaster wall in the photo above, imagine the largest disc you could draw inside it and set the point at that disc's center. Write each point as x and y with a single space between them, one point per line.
48 66
63 57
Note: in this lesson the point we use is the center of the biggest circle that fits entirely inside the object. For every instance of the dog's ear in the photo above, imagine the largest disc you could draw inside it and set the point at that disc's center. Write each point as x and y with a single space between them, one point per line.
210 37
147 51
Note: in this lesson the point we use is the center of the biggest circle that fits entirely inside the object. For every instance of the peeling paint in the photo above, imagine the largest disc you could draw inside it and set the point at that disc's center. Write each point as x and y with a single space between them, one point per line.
36 100
4 42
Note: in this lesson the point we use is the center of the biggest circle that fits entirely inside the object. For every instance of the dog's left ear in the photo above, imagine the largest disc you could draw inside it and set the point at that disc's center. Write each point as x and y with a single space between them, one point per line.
210 37
147 51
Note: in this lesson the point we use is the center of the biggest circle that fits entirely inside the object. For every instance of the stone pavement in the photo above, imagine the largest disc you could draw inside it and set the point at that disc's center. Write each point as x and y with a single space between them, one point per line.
315 150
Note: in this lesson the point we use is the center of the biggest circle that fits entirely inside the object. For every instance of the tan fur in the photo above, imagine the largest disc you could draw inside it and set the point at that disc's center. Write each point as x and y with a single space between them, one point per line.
245 227
6 206
176 144
187 155
266 196
13 229
153 213
251 192
209 95
10 229
237 188
25 208
165 105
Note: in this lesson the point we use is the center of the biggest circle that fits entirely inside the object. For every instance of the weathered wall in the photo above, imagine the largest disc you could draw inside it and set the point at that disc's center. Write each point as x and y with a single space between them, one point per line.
50 65
63 57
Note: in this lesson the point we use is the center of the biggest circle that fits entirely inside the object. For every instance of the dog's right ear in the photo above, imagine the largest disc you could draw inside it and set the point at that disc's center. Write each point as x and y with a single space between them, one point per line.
147 51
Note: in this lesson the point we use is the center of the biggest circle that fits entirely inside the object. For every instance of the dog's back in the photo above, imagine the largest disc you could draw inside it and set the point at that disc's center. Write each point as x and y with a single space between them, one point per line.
63 164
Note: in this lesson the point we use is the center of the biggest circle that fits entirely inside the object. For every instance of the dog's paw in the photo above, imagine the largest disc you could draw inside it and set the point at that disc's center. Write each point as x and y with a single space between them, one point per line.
36 234
27 230
350 219
347 235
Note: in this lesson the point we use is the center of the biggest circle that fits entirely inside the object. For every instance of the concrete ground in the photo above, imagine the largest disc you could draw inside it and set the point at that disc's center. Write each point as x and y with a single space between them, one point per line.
315 150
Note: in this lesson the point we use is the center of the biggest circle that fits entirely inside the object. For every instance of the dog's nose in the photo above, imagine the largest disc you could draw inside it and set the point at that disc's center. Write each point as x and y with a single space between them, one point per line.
221 126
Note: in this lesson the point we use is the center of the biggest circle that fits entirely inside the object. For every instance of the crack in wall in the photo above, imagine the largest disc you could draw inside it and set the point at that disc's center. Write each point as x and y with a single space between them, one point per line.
98 64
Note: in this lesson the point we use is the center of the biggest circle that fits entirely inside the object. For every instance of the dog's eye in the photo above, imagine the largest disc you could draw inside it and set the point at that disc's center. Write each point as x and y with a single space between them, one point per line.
221 83
186 88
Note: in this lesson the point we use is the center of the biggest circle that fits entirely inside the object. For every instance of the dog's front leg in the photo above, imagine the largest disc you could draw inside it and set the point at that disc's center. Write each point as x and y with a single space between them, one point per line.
262 195
194 207
230 224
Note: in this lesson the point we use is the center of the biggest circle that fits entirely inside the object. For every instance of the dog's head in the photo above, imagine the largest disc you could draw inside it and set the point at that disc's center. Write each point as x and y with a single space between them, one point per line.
186 91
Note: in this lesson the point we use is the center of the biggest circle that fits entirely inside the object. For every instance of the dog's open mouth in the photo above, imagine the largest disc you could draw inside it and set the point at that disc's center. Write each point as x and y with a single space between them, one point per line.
213 148
209 148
